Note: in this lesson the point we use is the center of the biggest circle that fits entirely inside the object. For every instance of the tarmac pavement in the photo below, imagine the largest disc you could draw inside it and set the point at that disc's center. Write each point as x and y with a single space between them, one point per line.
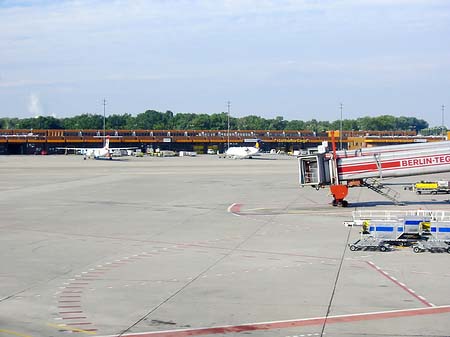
195 246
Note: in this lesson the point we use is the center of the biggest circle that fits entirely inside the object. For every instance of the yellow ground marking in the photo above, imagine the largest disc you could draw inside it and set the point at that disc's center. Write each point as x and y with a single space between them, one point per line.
9 332
65 327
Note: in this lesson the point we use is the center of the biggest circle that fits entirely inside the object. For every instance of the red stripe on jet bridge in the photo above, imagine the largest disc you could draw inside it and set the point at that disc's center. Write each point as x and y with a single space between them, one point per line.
405 162
293 323
368 167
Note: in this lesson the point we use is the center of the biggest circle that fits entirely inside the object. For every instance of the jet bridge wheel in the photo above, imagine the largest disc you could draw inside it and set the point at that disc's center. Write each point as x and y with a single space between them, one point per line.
340 203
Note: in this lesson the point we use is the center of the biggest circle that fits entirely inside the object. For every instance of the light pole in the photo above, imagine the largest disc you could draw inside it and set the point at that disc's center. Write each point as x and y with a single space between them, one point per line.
228 132
340 128
104 121
442 127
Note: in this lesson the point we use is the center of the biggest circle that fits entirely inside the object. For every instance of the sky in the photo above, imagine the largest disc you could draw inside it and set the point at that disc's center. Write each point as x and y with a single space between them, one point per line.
299 59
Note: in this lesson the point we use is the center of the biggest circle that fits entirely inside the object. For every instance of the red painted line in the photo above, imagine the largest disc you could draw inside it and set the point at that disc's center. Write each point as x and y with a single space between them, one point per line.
69 301
293 323
405 288
69 306
90 278
72 291
84 283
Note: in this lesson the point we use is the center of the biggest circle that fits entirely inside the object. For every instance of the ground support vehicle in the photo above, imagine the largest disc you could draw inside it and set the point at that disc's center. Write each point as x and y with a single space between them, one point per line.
370 243
422 230
432 187
432 245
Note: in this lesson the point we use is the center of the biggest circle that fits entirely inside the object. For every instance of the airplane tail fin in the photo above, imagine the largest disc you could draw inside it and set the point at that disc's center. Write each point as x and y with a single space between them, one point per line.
107 142
257 145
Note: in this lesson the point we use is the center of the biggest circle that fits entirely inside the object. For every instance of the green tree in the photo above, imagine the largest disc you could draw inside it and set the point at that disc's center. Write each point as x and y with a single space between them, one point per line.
219 121
84 121
183 121
152 119
118 122
201 122
252 122
295 125
277 124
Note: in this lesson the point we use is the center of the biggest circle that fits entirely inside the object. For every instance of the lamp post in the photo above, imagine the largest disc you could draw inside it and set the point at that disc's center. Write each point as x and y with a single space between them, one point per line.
442 127
340 129
104 121
228 123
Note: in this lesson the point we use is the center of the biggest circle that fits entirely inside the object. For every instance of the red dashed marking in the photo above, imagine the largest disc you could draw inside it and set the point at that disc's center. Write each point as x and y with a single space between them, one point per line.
68 306
89 279
68 301
80 283
72 291
400 284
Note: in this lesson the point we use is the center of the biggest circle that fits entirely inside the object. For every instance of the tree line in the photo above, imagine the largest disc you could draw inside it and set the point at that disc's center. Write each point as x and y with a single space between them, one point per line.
155 120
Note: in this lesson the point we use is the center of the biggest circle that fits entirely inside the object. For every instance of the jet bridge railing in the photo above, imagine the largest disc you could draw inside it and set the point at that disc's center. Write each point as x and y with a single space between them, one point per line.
435 215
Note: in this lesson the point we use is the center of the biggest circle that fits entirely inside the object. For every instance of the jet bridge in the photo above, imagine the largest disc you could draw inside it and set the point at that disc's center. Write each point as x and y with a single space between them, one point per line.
365 168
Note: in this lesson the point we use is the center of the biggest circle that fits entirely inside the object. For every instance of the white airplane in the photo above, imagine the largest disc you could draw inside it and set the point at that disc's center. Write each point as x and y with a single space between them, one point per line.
104 152
243 152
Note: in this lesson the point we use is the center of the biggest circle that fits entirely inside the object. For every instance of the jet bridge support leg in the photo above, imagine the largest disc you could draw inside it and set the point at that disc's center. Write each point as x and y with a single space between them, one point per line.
339 192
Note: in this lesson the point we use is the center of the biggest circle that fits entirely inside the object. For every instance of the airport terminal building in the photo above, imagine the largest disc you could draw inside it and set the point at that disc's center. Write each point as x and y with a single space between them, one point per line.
285 141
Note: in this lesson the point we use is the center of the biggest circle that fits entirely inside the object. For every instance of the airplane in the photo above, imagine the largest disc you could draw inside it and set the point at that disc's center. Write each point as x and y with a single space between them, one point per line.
243 152
104 152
